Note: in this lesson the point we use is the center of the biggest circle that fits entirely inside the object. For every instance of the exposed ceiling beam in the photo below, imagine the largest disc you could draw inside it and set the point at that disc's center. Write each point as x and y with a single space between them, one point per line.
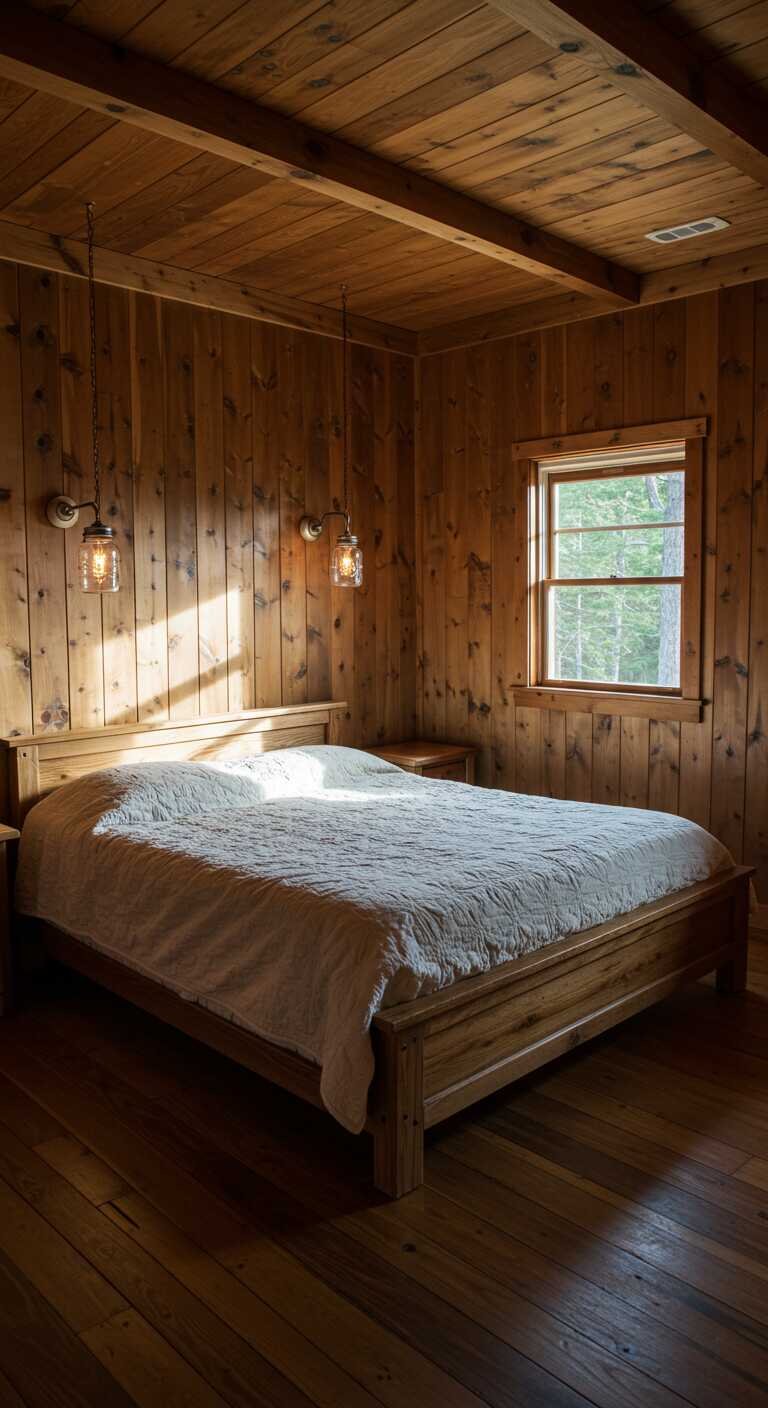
66 61
646 61
63 256
703 276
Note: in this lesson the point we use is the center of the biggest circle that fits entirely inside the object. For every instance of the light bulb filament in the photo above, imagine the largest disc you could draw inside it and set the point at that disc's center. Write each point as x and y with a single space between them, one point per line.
99 564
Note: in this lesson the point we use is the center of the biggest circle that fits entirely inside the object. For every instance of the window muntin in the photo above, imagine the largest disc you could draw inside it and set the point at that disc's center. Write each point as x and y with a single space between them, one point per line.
611 602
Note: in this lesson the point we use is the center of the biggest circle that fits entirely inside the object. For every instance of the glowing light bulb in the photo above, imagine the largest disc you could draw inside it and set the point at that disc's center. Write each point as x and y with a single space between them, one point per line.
99 564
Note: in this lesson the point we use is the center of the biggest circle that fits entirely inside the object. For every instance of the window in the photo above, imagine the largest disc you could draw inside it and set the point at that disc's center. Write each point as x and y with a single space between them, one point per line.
615 560
613 583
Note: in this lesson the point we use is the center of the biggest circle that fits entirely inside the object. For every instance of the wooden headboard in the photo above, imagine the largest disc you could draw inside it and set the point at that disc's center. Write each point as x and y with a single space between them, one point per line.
41 762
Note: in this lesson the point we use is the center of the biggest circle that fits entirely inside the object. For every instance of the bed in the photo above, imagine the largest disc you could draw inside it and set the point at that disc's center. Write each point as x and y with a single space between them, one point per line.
432 984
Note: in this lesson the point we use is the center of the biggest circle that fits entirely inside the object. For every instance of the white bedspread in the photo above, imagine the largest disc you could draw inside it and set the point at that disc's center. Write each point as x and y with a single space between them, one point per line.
299 892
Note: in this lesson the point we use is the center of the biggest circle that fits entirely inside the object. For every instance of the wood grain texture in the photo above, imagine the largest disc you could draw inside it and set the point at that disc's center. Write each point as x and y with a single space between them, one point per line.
657 69
679 362
579 1237
167 281
211 438
14 609
84 615
46 568
460 103
83 69
149 504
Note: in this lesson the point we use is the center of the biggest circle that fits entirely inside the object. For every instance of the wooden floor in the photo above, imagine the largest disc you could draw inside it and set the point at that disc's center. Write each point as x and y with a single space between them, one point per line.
174 1232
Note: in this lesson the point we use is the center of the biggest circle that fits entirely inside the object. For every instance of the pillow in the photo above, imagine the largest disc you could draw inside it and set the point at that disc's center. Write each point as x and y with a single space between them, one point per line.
138 793
297 772
145 792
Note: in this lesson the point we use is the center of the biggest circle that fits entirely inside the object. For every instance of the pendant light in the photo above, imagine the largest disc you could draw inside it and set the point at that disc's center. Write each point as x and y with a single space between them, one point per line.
346 554
98 558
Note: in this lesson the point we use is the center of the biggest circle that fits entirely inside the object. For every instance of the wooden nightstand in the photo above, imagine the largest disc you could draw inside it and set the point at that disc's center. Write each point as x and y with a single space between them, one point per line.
8 838
453 761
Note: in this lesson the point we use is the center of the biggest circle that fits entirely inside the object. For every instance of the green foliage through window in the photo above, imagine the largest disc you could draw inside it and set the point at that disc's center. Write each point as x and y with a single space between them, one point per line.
617 633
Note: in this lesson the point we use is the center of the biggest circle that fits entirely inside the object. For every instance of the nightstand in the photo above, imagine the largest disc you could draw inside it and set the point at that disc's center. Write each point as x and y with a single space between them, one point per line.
8 838
453 761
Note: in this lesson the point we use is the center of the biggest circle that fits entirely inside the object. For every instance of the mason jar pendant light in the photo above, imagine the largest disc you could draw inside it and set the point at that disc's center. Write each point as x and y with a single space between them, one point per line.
98 558
346 554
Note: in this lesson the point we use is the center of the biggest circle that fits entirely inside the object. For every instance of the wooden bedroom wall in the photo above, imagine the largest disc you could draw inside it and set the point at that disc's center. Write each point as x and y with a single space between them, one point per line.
707 354
217 432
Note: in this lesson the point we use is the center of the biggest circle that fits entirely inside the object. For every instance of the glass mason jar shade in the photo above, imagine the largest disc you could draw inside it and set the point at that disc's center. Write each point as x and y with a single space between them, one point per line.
347 562
98 560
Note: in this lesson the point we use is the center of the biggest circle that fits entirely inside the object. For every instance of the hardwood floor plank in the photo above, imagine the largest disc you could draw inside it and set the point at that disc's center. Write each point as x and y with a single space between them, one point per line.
600 1377
489 1277
565 1085
755 1171
10 1398
246 1312
741 1024
458 1196
732 1070
67 1281
45 1362
648 1085
368 1353
410 1209
216 1352
28 1120
743 1235
146 1366
698 1260
389 1368
640 1153
490 1362
595 1235
82 1168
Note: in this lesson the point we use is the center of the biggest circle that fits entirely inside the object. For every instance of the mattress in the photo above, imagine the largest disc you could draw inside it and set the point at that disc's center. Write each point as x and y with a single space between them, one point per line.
297 893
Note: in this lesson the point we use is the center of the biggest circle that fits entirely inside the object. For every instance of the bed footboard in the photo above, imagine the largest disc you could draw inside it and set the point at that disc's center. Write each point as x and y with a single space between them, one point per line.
441 1053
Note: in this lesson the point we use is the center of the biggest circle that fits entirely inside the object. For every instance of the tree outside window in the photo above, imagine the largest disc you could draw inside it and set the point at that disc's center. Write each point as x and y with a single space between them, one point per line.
613 576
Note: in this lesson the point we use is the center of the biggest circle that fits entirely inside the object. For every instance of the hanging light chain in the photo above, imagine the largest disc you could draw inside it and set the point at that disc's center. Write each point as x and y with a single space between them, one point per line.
94 403
344 395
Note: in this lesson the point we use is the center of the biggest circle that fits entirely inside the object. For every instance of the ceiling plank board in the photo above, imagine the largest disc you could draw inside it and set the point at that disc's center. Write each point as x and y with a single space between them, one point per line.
661 286
86 70
22 245
646 61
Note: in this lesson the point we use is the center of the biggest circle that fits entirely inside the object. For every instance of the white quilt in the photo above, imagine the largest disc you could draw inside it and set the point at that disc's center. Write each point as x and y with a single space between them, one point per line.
297 893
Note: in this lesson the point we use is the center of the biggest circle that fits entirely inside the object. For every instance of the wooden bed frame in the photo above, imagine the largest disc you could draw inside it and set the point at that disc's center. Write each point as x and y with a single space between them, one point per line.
440 1053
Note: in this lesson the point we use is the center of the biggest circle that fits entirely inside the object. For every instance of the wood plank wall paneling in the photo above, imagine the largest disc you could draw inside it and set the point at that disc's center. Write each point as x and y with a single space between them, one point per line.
705 355
216 434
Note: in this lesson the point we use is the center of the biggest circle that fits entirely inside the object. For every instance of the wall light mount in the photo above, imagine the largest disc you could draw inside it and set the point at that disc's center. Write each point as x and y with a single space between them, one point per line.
346 556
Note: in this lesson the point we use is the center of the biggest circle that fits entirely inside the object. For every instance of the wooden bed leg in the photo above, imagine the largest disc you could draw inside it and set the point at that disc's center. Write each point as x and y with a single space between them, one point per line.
398 1119
732 976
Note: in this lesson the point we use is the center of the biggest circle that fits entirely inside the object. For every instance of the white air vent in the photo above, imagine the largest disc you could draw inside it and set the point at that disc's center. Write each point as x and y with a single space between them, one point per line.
688 232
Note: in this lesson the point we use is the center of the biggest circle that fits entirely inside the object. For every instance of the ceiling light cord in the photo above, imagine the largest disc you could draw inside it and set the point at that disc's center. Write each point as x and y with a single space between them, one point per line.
345 397
94 402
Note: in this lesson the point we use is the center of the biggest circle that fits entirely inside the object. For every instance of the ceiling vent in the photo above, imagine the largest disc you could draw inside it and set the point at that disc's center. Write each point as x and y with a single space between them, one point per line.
688 232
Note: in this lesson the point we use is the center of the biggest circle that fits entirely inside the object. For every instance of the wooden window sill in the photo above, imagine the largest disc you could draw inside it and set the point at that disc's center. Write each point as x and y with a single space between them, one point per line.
604 701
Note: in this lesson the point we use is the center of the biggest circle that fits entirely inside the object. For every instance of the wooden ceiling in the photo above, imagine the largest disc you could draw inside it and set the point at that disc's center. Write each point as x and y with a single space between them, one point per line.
453 90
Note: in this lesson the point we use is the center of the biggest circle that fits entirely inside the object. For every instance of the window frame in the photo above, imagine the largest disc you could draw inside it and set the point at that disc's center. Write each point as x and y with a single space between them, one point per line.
533 686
